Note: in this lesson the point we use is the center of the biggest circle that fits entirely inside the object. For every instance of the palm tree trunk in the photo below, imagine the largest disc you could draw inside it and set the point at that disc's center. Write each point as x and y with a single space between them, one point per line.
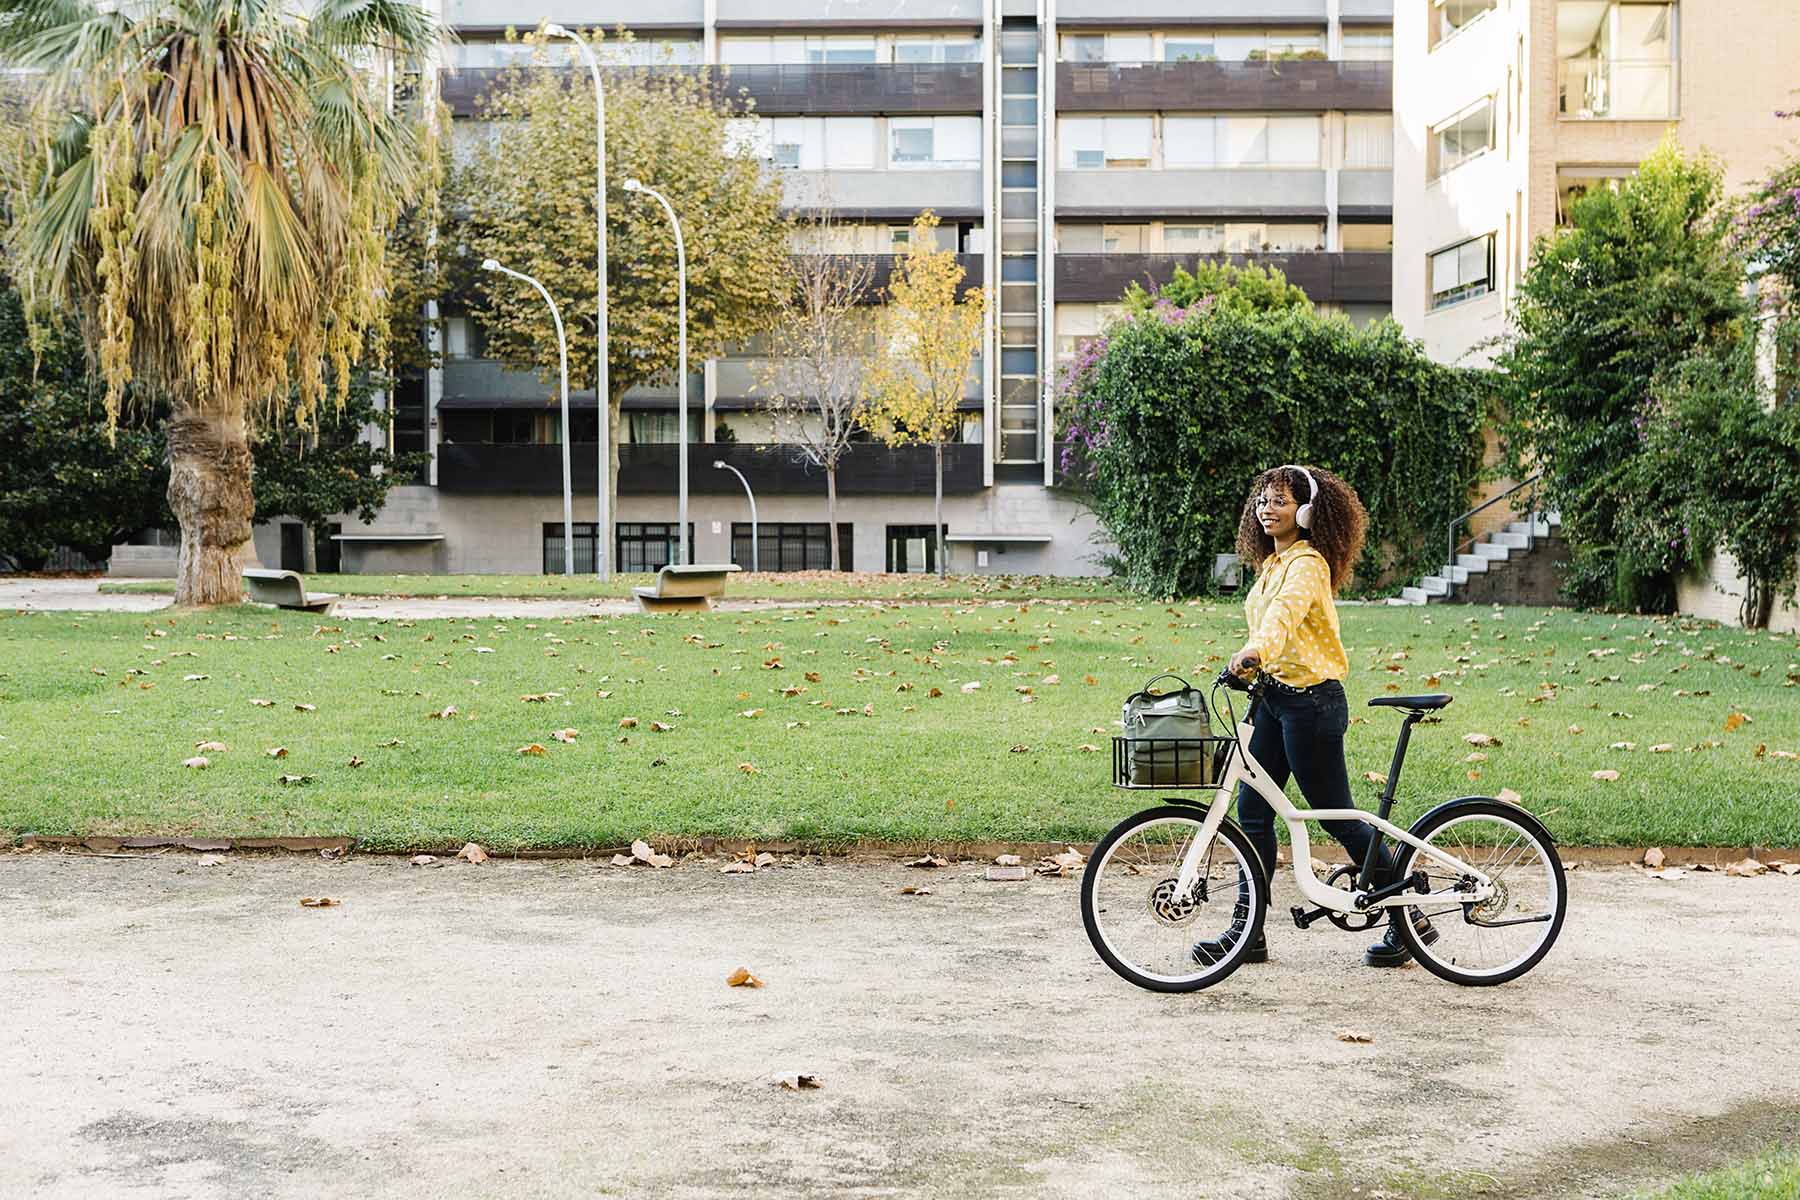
937 510
831 513
209 491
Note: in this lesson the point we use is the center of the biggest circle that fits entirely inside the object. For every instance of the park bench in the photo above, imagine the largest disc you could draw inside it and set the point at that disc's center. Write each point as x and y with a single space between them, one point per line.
285 589
691 587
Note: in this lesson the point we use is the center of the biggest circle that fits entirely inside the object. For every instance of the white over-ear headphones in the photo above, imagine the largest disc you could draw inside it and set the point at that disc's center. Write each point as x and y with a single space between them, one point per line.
1304 517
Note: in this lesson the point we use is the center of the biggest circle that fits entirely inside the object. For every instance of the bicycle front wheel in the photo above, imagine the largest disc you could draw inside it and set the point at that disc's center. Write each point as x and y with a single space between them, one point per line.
1146 932
1502 937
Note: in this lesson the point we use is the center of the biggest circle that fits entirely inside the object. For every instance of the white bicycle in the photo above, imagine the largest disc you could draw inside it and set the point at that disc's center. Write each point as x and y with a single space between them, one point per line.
1174 896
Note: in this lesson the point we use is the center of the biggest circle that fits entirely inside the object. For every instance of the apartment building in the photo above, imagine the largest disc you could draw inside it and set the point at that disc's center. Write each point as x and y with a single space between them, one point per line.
1068 146
1505 110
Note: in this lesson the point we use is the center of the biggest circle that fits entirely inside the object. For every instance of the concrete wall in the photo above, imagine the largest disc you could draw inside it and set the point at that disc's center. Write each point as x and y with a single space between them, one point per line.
1226 12
584 14
1532 578
1716 593
504 534
885 189
1161 191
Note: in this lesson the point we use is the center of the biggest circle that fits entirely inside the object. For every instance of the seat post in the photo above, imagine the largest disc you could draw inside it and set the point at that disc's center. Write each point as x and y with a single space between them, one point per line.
1393 779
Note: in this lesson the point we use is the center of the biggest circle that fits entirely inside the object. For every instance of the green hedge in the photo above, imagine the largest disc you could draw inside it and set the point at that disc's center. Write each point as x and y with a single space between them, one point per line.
1173 412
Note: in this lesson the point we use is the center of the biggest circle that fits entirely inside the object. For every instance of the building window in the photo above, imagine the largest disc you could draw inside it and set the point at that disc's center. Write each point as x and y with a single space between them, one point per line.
937 48
1370 236
1368 45
637 547
1574 183
1618 60
792 546
1369 141
806 143
1450 17
1247 141
915 142
796 51
1462 271
1462 137
662 427
1095 143
1198 47
911 549
584 547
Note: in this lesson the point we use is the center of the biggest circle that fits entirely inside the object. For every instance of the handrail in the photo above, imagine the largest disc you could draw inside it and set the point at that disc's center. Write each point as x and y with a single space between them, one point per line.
1450 532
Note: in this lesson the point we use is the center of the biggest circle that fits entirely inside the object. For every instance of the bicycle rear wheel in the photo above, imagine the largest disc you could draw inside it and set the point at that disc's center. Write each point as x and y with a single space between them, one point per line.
1504 936
1143 930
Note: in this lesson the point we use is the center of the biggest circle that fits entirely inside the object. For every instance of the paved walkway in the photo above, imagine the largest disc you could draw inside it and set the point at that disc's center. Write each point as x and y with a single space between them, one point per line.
182 1027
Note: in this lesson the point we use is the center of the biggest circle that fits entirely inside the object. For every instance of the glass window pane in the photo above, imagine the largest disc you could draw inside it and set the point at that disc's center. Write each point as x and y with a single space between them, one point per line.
1019 81
1188 141
1369 140
1081 141
1294 141
1019 46
912 145
1019 269
850 143
1472 264
1443 270
1079 239
1245 141
1123 239
1018 362
1235 46
1188 50
1084 48
958 48
1128 141
1019 112
1128 47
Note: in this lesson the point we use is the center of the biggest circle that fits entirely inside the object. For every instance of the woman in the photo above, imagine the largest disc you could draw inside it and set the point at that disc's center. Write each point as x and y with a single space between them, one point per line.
1301 530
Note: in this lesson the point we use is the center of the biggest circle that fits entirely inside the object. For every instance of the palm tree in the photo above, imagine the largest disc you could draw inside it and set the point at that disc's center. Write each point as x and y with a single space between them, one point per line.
207 185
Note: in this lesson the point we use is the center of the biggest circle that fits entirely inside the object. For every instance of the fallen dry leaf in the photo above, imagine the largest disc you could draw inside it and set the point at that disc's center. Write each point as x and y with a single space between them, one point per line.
1088 748
915 891
565 736
293 780
641 852
1354 1035
628 722
1021 748
738 867
1574 729
743 978
198 763
930 860
1375 777
319 902
277 751
751 713
811 677
1508 796
1623 746
1481 739
934 693
1474 756
1608 776
443 714
194 678
749 768
534 749
800 1083
1006 860
211 747
661 727
1666 873
355 761
260 703
1746 868
306 708
1662 748
1735 721
472 853
422 860
1654 858
1789 868
974 685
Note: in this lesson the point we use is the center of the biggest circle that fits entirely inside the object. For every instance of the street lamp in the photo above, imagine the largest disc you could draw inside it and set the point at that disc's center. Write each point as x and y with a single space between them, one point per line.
562 349
603 538
722 465
632 185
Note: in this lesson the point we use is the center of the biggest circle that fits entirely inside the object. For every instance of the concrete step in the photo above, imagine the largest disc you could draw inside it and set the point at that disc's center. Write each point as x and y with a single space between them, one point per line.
1474 564
1534 528
1453 574
1511 540
1401 600
1492 551
1435 585
1413 595
1553 518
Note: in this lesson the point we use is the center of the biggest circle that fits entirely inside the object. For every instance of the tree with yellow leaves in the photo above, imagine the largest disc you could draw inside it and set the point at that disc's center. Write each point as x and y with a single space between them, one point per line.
930 338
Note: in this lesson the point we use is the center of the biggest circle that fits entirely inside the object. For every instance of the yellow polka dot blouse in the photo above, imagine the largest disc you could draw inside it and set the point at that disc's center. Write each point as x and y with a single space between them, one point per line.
1293 623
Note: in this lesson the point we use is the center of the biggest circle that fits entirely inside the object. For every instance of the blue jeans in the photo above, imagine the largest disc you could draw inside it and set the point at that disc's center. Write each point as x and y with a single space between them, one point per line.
1301 734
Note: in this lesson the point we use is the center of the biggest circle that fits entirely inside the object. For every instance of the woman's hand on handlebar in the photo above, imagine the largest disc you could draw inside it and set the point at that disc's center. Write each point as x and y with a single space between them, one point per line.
1244 662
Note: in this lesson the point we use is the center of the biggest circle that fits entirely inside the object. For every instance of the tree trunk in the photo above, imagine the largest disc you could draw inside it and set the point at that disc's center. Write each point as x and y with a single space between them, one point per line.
209 491
831 513
937 512
309 550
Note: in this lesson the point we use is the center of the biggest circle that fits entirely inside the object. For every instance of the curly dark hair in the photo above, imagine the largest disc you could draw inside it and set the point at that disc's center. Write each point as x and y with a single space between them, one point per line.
1339 521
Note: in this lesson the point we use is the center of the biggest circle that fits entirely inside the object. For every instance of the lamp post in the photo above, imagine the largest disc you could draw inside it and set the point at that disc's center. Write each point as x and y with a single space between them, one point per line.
603 536
632 185
562 349
722 465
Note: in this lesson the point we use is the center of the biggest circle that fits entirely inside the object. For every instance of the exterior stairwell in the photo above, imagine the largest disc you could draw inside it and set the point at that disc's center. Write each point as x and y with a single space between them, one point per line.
1520 564
1516 565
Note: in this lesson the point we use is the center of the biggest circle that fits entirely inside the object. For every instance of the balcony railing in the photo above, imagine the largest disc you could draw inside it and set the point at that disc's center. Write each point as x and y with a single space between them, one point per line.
869 469
1338 277
1620 89
1303 85
841 89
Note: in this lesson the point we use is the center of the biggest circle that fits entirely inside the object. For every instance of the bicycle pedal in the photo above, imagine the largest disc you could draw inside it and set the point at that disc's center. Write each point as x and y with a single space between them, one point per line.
1302 918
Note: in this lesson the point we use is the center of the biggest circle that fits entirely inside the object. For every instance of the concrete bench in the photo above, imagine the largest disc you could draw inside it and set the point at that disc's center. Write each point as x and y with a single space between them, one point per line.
692 587
285 589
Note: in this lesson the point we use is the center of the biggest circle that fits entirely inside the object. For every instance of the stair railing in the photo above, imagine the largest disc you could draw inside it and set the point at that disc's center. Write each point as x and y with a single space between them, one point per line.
1532 510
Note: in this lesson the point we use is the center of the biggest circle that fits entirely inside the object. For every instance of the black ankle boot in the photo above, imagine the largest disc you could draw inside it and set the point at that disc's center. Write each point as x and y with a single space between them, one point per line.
1212 950
1390 951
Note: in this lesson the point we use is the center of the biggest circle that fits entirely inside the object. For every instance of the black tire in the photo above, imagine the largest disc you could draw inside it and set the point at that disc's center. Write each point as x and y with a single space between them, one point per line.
1202 977
1433 957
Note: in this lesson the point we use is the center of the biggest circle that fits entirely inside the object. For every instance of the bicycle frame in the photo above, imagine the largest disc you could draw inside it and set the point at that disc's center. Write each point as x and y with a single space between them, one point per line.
1245 769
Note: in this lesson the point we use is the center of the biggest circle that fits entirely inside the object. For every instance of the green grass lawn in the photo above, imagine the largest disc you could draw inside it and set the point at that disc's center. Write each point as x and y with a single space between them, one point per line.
769 737
1773 1176
795 585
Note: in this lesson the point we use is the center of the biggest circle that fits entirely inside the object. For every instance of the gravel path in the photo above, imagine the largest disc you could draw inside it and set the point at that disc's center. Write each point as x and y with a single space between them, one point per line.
182 1027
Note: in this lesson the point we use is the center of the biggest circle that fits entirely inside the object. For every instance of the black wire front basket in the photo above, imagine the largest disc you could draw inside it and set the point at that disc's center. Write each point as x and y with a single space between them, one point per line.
1189 762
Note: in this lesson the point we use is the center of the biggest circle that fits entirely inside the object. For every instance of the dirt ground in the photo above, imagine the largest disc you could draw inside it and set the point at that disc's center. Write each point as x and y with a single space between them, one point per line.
180 1027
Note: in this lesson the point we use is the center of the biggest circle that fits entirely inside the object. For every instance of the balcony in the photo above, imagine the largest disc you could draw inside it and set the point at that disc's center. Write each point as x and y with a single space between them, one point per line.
811 89
604 14
1144 13
870 469
1296 85
1337 277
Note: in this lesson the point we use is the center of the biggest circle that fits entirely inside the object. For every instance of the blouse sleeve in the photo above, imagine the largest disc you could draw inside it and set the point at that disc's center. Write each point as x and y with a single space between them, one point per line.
1306 580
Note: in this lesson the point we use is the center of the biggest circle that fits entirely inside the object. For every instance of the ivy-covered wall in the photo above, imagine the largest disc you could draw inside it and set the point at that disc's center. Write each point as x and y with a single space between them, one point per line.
1174 411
